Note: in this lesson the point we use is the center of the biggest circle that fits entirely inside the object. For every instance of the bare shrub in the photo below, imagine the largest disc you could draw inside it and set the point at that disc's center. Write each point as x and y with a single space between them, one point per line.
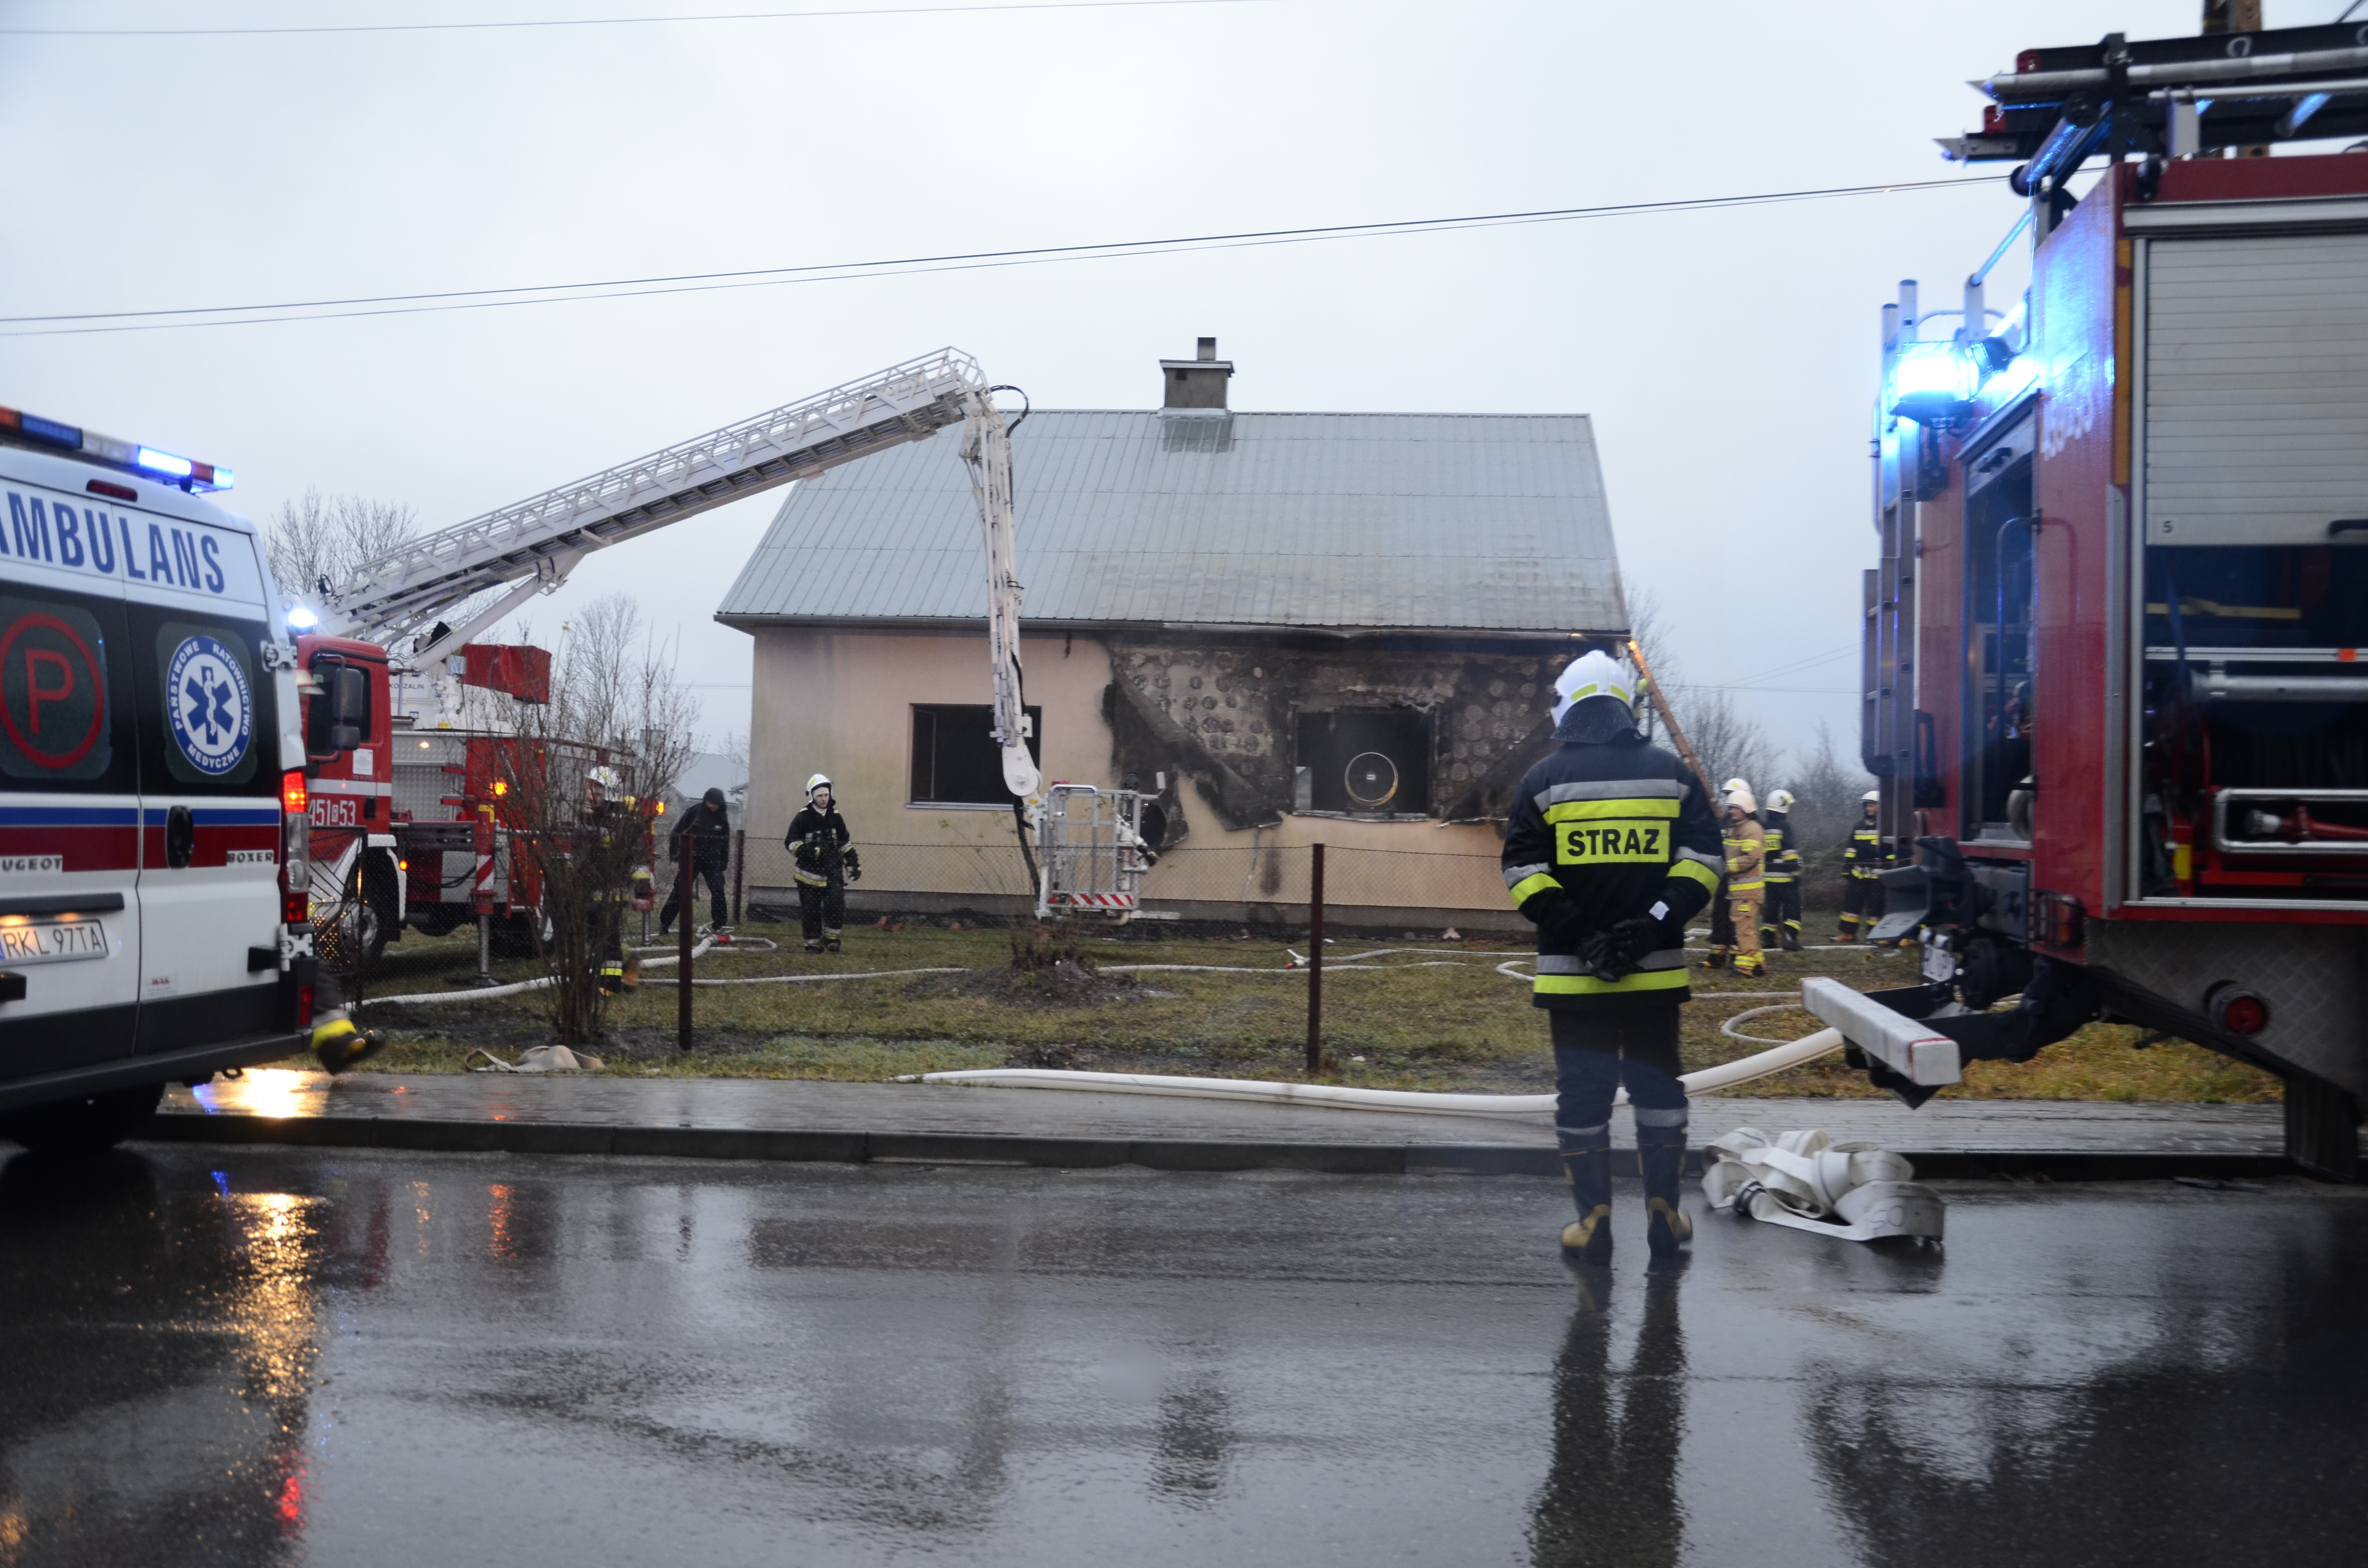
618 710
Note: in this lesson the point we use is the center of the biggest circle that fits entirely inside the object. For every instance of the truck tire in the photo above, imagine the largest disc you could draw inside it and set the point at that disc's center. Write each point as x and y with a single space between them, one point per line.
513 937
351 934
86 1125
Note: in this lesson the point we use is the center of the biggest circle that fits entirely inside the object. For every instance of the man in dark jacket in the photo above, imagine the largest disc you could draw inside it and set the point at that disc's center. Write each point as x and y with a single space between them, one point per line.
1610 850
822 863
705 832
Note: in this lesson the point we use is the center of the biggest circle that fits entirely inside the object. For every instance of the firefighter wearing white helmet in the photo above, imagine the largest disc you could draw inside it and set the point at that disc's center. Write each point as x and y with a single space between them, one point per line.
1863 856
1746 848
609 858
1780 917
823 865
1610 848
1722 923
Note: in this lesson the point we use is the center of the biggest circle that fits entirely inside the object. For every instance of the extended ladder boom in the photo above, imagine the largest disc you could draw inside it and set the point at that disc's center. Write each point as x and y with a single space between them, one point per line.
532 545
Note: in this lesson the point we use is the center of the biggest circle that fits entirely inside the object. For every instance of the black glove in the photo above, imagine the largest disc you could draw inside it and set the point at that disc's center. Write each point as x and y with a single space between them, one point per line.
1617 951
854 867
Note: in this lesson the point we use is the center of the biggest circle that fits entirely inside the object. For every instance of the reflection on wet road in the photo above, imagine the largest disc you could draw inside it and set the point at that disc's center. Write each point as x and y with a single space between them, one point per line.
268 1356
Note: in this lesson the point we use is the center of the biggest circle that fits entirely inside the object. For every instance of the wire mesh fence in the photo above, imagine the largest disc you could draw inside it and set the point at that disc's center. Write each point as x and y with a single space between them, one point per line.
1261 885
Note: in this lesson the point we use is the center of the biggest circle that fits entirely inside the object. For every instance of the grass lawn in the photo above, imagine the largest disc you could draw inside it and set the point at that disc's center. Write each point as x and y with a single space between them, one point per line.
1443 1019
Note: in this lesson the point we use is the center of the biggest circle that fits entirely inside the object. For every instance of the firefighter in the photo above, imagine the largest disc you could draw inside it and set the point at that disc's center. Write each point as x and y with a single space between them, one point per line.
1781 919
825 865
606 833
1610 850
1862 854
705 831
1722 922
1746 846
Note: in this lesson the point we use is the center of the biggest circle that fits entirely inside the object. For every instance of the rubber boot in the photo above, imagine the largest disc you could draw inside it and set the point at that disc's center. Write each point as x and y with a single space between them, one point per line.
1793 939
1661 1151
1588 1238
1751 965
1845 936
339 1044
1715 961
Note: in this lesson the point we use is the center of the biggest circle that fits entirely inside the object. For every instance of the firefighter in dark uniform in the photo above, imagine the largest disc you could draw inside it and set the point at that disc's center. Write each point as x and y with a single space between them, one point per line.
823 867
705 834
608 843
1862 856
1610 850
1782 867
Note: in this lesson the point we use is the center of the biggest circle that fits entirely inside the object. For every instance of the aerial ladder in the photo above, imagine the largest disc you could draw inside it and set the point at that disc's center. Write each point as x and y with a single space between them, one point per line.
432 596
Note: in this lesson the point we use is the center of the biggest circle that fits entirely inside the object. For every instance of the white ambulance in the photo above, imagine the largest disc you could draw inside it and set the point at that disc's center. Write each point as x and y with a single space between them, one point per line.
152 788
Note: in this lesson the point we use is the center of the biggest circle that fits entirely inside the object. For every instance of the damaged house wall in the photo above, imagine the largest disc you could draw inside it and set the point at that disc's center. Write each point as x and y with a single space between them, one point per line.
1243 720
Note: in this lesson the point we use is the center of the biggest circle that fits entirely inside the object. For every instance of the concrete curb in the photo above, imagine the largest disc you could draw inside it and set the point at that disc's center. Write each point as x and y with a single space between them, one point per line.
1018 1149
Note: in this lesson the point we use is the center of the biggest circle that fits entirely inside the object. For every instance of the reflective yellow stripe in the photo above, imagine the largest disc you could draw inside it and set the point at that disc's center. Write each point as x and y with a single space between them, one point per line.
1587 986
1694 870
1529 887
1743 887
1578 811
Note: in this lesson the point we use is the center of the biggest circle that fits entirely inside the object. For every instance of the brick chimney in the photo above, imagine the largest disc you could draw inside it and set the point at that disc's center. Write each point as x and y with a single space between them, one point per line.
1197 382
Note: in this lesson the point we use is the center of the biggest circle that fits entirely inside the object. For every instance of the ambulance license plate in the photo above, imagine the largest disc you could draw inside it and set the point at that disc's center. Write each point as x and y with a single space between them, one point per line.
53 941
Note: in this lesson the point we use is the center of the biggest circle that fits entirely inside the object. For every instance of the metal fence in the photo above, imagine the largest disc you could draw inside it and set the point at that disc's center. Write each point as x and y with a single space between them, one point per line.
1264 885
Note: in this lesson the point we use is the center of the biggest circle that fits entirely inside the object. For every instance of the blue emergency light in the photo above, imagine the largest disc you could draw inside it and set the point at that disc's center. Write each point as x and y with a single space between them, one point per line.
1932 381
31 429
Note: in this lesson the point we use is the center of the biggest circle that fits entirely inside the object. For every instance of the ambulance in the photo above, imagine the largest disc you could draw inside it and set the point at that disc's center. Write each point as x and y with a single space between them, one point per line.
155 925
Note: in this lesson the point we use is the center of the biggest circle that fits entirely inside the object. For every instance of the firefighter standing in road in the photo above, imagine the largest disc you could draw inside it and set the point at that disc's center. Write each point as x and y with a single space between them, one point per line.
1610 850
1746 847
1862 856
825 865
705 831
1782 915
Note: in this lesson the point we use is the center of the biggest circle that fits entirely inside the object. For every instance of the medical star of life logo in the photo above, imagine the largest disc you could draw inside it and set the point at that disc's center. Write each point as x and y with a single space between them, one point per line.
211 706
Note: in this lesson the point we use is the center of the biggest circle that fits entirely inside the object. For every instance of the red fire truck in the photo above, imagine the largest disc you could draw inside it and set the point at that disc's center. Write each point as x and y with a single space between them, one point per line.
410 823
2113 685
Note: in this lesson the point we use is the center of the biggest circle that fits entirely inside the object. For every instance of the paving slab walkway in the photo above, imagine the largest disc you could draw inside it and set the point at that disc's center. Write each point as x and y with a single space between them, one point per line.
798 1118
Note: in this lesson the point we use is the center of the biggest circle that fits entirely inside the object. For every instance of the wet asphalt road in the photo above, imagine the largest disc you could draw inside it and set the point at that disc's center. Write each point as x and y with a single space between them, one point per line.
265 1355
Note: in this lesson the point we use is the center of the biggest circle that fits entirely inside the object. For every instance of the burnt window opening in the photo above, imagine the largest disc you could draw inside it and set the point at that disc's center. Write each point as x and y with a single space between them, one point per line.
1364 762
955 759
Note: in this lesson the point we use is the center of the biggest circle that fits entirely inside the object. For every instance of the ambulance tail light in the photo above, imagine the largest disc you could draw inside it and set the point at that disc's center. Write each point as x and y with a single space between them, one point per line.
295 852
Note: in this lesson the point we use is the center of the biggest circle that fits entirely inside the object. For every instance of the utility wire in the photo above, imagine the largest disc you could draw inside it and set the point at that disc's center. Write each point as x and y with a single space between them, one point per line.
605 21
700 282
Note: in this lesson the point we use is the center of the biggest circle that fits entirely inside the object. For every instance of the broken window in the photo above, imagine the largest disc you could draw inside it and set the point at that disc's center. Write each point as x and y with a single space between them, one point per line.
1364 762
955 759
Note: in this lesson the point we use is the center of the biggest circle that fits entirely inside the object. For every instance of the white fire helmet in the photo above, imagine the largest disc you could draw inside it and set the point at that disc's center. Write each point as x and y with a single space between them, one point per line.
819 781
1739 794
1732 785
605 778
1591 674
1782 801
1873 796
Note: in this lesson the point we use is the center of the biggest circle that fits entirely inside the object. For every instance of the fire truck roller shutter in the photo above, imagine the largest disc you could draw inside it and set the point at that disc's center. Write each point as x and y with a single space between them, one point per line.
2255 360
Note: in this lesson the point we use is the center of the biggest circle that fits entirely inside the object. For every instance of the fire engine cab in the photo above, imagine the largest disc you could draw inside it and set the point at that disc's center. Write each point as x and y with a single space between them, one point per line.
2116 640
154 887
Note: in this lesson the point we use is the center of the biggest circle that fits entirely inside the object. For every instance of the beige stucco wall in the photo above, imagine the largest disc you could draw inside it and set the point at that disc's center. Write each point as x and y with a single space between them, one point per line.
841 702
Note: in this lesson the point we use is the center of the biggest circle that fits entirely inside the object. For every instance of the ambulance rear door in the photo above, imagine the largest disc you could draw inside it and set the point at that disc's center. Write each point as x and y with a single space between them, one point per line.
70 957
210 742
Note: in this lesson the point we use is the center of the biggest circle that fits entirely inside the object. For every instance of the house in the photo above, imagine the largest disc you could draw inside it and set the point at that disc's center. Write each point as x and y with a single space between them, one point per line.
1289 628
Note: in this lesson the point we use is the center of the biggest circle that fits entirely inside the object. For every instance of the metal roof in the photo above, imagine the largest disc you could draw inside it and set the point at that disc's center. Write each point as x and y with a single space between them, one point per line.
1477 522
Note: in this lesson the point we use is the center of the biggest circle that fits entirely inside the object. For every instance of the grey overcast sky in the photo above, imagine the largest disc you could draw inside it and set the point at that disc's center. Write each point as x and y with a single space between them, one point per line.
1728 357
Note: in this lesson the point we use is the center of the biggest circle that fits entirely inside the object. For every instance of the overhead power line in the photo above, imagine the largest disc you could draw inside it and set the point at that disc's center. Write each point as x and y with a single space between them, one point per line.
608 21
336 309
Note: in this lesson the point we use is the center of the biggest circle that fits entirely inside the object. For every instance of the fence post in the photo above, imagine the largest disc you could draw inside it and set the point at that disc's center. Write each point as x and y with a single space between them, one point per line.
739 871
682 972
1316 964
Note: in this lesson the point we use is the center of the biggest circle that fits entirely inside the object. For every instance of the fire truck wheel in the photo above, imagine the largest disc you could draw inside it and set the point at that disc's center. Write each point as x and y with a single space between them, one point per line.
85 1126
352 934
